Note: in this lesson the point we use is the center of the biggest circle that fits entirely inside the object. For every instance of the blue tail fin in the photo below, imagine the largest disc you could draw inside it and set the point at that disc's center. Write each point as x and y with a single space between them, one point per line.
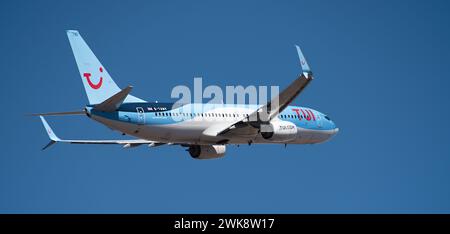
97 82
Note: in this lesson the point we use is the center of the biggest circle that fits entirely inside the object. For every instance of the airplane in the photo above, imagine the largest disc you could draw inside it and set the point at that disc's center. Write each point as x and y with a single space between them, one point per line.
204 129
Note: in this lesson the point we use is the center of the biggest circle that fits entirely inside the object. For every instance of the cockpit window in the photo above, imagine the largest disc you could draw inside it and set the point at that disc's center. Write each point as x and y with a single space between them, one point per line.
328 118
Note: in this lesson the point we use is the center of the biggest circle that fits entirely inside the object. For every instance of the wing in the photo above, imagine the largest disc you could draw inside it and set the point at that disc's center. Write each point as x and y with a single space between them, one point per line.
269 111
125 143
280 102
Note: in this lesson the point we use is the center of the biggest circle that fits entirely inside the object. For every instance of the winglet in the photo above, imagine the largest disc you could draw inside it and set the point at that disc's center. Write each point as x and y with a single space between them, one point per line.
51 134
305 67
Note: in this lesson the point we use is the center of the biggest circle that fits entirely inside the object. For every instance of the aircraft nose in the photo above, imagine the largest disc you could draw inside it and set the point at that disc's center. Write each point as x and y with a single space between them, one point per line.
335 128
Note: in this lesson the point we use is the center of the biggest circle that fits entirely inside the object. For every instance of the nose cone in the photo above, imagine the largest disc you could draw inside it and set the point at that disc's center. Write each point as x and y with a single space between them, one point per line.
334 129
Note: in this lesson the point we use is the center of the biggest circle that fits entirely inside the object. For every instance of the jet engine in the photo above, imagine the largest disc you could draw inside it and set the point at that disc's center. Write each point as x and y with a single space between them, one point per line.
279 131
207 151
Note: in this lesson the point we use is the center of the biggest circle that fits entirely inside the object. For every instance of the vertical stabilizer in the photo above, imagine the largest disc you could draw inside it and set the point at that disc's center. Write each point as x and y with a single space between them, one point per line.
97 82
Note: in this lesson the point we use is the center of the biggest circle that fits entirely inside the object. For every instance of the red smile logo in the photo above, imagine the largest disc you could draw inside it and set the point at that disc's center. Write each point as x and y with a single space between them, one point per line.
88 77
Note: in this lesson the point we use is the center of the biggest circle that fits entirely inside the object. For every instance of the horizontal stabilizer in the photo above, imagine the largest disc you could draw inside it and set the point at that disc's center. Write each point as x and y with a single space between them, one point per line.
111 104
59 113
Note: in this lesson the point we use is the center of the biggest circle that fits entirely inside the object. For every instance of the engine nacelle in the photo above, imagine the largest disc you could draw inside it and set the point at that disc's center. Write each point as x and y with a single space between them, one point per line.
207 151
279 131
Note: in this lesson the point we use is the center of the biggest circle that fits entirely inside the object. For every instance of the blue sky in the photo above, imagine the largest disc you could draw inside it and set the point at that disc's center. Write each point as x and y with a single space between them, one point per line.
381 71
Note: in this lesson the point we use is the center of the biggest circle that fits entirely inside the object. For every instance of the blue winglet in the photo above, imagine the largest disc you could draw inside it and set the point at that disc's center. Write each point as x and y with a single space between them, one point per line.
303 62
